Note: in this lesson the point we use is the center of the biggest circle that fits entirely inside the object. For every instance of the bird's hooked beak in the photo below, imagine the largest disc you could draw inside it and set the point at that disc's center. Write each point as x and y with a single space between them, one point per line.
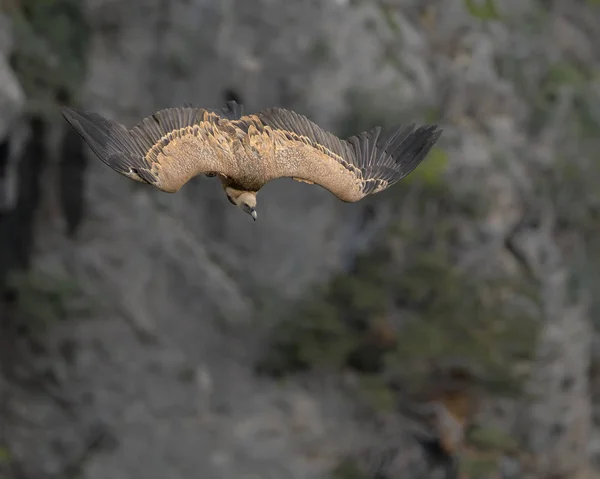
253 214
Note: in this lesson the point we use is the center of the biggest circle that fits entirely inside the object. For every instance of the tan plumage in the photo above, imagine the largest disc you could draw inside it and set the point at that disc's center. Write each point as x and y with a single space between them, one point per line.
172 146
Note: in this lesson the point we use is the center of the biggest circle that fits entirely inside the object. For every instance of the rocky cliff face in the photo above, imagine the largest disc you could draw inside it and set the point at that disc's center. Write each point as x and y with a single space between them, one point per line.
167 298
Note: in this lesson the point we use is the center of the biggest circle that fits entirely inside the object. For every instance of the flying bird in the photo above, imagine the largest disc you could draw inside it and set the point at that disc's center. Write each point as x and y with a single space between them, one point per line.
171 146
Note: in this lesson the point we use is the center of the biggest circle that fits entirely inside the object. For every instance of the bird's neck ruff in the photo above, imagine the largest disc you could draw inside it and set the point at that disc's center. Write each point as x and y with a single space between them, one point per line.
239 196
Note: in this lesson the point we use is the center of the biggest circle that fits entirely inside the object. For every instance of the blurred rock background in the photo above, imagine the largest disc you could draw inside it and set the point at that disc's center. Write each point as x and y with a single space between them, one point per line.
444 328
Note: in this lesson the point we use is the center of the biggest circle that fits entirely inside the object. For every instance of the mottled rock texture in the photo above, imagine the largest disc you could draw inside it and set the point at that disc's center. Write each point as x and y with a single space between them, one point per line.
132 319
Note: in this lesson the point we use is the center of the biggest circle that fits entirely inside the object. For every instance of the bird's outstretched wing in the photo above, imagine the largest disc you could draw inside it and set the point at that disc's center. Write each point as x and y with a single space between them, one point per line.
351 169
165 149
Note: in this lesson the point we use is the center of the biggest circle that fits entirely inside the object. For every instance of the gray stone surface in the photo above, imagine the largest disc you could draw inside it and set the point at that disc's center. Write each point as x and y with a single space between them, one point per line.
162 369
12 104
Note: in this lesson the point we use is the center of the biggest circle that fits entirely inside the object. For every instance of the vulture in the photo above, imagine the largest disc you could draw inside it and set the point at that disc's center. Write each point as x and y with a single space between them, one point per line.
173 145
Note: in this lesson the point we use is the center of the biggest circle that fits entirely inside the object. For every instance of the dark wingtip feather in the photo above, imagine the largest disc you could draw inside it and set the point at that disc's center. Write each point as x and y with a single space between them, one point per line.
94 129
387 158
109 140
413 150
73 116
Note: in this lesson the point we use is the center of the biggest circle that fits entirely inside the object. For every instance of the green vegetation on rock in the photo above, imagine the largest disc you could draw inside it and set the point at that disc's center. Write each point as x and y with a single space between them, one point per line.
407 302
4 455
348 469
489 438
43 299
482 9
476 467
49 56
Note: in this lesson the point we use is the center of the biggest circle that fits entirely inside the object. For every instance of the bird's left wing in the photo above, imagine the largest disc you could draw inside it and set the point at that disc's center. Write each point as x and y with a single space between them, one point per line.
351 169
165 149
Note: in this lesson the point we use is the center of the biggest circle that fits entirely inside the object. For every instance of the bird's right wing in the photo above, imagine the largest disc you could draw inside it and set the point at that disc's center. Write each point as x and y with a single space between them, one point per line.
351 169
166 149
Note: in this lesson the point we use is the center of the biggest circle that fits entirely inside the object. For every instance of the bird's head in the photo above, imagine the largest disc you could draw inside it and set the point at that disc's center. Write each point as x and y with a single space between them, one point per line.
246 200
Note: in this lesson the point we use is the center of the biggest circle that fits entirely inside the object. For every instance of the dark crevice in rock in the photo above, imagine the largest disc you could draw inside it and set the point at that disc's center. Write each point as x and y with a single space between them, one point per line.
4 177
16 226
229 94
16 245
4 157
72 167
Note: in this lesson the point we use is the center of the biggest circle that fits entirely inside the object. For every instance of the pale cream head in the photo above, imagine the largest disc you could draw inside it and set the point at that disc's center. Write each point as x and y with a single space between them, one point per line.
246 200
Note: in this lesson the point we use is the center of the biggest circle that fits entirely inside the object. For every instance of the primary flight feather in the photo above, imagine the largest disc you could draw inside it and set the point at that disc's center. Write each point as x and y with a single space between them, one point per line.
173 145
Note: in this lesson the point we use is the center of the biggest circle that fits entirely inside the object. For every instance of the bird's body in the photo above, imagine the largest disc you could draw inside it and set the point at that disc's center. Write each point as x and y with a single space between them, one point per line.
170 147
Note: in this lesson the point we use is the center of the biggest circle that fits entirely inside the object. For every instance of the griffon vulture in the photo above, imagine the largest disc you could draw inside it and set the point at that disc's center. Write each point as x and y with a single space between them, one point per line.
173 145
